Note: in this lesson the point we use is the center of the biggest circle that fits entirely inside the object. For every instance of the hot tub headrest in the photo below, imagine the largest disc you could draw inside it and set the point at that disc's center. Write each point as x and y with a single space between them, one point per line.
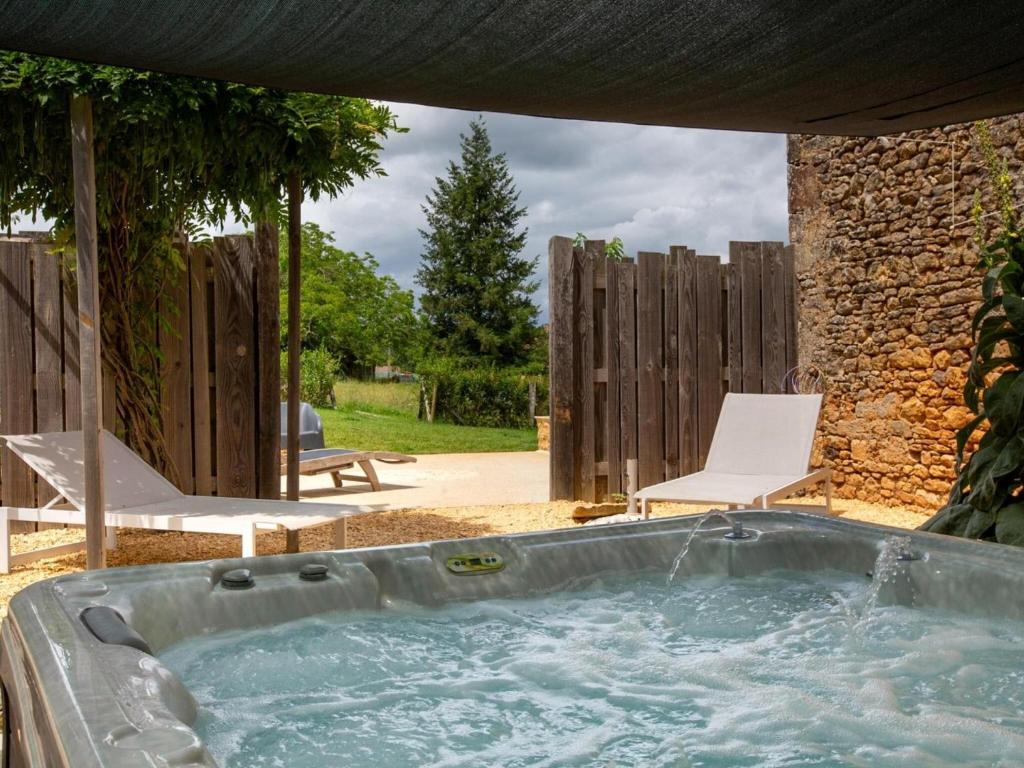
108 626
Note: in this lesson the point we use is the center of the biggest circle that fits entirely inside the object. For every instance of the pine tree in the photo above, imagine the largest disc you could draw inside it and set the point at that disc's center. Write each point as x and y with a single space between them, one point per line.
477 289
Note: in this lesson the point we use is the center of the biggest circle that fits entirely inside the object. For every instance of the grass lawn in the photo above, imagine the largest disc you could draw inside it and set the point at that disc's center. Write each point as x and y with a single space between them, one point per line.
374 416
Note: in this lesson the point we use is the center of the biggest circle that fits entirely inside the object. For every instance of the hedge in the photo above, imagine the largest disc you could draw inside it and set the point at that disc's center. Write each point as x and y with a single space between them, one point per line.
480 397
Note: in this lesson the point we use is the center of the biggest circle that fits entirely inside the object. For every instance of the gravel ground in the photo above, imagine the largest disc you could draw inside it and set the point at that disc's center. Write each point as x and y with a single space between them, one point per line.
139 547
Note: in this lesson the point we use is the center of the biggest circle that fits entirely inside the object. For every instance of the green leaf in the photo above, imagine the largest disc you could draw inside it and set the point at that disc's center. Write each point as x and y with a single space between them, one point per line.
987 306
950 520
1010 524
978 523
990 281
965 432
993 331
1013 306
989 448
1004 402
971 395
1009 460
1009 277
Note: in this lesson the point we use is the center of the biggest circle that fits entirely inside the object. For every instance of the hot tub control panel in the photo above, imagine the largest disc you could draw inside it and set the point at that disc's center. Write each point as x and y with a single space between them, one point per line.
476 562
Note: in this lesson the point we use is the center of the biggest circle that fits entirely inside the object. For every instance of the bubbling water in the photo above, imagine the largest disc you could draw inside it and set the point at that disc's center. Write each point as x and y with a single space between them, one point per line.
884 573
684 551
707 673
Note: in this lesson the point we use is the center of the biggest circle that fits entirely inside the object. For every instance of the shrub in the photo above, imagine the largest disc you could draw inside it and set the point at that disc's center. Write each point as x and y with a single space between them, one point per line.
480 397
987 499
318 372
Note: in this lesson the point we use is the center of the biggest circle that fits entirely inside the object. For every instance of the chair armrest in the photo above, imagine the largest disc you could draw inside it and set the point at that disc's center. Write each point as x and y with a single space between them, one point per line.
811 478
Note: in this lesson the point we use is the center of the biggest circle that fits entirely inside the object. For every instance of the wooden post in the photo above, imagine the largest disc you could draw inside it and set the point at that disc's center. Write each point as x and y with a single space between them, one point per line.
294 320
89 331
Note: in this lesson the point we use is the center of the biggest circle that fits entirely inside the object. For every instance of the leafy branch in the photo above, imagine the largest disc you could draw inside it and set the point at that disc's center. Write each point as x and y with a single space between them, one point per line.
614 249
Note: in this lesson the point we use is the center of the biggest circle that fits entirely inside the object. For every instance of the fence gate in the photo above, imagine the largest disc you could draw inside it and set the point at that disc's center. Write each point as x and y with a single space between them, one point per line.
219 363
642 353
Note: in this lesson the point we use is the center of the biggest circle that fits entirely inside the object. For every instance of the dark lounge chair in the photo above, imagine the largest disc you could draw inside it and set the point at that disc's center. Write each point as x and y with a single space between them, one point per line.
316 459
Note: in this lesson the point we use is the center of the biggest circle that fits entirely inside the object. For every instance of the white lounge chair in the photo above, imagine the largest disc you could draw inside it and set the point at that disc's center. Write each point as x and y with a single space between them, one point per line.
760 453
137 496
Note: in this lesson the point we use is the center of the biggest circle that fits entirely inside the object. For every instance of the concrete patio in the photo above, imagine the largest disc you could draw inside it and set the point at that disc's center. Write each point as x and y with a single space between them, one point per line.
443 480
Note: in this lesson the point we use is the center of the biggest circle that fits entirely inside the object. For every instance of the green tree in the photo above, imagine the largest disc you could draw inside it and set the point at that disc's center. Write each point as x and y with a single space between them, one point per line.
360 317
173 155
477 289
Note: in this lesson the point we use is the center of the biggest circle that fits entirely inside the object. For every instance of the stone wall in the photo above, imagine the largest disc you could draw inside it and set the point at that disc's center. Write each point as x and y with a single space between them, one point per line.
886 266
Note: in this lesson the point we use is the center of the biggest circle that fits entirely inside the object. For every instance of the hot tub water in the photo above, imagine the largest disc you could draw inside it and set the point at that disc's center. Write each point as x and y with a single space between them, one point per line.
779 670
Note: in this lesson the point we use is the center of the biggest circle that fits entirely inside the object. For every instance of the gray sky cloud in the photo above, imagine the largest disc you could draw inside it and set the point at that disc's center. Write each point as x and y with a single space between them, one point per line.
653 187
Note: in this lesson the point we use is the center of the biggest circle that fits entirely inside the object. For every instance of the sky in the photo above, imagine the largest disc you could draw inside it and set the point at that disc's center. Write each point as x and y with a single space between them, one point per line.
653 187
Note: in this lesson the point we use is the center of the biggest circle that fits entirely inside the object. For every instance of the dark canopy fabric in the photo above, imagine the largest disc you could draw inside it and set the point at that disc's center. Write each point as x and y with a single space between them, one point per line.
831 66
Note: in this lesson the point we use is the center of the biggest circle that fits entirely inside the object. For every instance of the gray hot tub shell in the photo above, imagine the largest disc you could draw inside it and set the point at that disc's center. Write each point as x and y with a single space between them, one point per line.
72 700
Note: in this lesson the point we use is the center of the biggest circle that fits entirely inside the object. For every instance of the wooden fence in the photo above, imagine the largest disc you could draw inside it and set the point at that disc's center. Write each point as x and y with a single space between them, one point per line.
219 364
643 352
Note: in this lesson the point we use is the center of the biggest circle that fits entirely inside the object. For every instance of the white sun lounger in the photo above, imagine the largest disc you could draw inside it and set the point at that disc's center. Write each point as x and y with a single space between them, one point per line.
760 453
137 496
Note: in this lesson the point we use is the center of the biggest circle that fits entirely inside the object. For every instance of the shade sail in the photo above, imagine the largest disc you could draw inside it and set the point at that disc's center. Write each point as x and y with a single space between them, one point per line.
863 67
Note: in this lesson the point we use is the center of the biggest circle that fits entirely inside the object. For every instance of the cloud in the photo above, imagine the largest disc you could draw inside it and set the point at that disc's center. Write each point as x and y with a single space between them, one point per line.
651 186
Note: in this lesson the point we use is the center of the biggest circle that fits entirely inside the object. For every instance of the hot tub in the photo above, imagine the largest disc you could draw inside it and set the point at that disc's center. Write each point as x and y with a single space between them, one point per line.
803 641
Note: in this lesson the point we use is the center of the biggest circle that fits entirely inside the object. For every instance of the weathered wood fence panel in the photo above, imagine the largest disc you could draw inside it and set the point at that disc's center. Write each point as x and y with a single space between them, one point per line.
627 363
235 374
709 351
649 401
202 362
671 365
268 374
562 373
16 385
176 381
687 359
583 397
49 390
612 400
219 349
643 352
